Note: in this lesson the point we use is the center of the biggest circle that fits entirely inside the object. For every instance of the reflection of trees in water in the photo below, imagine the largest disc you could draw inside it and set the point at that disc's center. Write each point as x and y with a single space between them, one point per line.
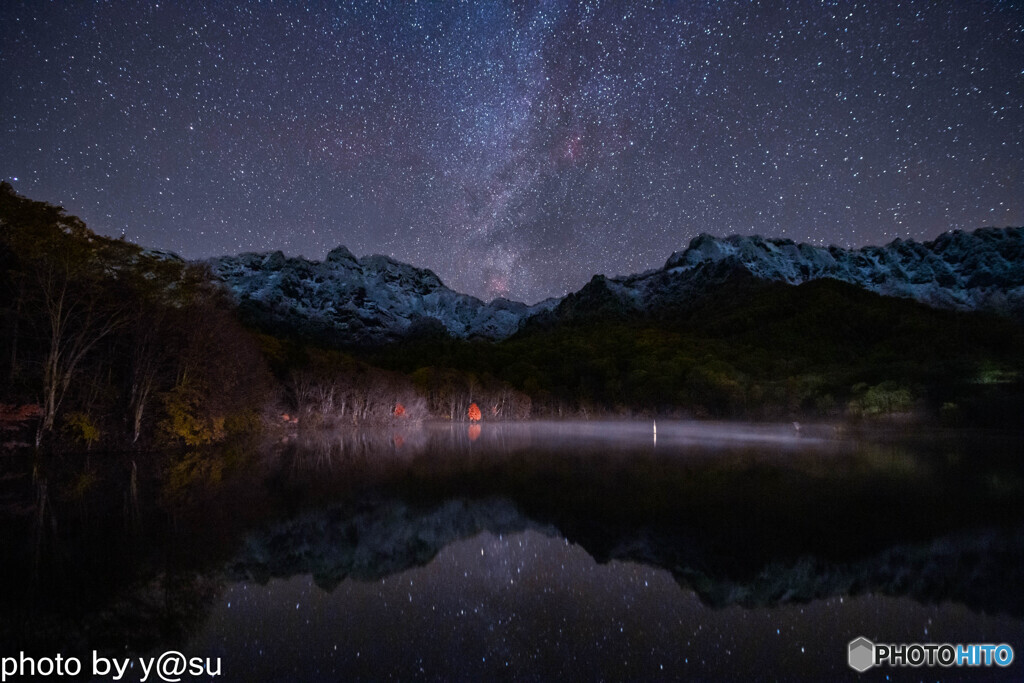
165 611
44 523
190 475
533 456
162 611
390 450
332 450
742 525
132 511
101 578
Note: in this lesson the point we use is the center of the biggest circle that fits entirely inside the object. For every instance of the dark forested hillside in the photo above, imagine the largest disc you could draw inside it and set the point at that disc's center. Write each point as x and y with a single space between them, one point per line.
104 341
753 349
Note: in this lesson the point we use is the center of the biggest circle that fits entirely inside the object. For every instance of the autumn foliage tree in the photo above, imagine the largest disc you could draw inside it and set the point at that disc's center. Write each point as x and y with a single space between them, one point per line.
220 377
94 330
474 413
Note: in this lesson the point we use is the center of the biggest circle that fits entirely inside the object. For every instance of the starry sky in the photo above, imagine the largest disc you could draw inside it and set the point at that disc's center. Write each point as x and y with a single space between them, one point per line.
515 148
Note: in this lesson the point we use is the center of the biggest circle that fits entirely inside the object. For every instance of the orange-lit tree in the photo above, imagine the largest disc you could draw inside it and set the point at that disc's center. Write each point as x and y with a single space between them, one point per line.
474 412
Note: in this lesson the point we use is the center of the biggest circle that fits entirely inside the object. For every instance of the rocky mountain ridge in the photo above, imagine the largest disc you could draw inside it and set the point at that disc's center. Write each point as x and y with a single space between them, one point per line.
375 299
368 300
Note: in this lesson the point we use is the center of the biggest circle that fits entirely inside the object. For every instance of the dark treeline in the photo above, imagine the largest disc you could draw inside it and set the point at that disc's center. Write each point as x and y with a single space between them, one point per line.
104 342
759 351
331 387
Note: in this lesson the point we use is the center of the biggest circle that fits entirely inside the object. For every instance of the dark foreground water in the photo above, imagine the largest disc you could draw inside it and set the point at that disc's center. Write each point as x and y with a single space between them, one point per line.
531 552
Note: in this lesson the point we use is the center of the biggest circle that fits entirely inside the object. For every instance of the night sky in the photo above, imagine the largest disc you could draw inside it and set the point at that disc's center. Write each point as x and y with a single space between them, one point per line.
515 148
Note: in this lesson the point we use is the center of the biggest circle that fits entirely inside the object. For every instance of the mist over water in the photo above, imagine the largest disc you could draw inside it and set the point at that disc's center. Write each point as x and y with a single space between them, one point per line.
551 549
670 434
671 439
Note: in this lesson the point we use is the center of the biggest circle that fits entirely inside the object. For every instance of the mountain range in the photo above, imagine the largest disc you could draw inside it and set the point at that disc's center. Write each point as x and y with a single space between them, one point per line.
346 300
360 301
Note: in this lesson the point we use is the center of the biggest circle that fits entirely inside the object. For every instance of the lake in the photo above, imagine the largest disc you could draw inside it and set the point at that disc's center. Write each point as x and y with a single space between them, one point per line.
531 551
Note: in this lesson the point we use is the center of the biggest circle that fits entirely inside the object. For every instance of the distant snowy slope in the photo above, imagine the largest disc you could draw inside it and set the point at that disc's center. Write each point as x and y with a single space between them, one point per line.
983 269
980 270
360 300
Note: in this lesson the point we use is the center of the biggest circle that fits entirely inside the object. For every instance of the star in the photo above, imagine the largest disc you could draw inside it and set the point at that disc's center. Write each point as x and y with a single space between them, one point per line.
515 149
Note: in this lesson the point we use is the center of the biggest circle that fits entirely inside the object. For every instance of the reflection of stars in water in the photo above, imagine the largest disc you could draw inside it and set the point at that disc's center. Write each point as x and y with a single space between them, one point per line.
531 606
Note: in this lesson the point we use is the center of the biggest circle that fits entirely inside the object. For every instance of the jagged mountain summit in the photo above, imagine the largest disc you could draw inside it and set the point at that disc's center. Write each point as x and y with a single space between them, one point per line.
375 299
382 537
361 301
980 270
983 269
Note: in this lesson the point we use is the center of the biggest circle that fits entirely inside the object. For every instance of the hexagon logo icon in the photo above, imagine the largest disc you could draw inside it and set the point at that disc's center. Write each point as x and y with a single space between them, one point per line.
861 654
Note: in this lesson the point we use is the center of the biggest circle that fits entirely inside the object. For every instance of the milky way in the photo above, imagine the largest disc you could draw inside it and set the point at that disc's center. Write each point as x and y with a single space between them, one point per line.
515 148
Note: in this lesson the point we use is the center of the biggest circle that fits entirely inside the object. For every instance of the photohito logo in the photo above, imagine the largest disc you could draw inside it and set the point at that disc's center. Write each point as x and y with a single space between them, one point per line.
862 654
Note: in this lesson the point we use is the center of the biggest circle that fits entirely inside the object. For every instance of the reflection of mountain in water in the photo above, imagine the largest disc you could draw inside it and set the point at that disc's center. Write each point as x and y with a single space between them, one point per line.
371 541
747 515
368 541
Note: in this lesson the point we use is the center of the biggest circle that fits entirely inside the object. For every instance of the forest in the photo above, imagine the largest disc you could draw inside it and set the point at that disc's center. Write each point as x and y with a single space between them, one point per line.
106 344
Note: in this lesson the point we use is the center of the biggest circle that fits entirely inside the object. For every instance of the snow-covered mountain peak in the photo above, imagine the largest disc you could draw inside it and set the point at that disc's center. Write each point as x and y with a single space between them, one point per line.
368 300
983 269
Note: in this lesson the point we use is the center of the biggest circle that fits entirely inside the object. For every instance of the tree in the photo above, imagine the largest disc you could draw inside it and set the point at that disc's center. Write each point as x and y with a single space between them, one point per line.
474 413
64 271
160 287
221 379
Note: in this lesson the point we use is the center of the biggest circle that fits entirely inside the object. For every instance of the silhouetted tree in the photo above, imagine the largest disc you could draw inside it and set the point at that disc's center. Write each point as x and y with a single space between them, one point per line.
63 268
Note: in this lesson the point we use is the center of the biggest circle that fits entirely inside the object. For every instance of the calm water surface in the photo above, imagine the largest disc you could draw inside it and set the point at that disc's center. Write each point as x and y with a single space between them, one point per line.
539 552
